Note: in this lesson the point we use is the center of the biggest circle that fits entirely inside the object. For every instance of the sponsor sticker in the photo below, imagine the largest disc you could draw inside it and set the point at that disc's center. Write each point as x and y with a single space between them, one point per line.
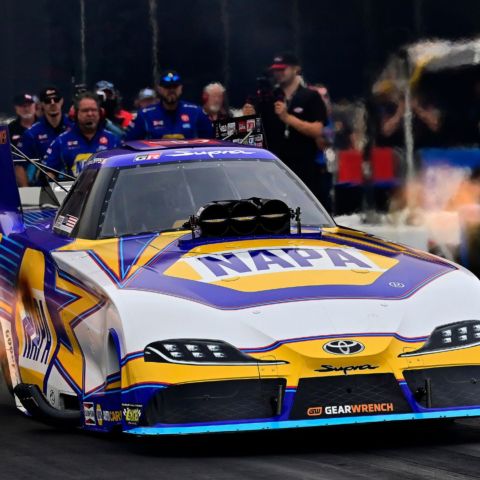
112 415
345 370
43 137
131 413
89 413
148 156
66 223
186 125
72 143
242 126
355 409
99 415
251 124
231 128
158 123
211 153
185 117
103 140
298 109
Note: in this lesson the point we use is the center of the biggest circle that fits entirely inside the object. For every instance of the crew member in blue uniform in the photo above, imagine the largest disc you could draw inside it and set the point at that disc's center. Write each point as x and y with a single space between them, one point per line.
40 135
69 152
171 117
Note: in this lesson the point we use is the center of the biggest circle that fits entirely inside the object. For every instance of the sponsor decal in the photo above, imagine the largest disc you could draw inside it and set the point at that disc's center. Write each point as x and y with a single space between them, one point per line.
223 128
43 136
344 347
103 141
148 156
242 126
251 124
220 266
185 117
356 409
112 415
89 413
158 123
258 121
298 109
49 150
99 415
251 141
15 137
186 125
131 413
396 284
211 153
3 137
72 143
345 370
231 128
66 223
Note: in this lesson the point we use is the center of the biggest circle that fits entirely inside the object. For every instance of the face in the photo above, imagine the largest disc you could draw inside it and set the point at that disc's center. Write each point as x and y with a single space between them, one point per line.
170 95
25 111
285 76
215 100
53 107
88 115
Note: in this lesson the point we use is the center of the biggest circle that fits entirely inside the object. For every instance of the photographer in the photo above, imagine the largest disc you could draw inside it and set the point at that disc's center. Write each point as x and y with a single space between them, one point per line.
293 118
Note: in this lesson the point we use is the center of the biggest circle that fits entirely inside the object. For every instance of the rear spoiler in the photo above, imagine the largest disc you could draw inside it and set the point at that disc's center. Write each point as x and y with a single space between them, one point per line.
11 219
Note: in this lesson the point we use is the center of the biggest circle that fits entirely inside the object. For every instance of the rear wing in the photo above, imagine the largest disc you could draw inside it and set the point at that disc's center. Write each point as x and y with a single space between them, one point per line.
11 220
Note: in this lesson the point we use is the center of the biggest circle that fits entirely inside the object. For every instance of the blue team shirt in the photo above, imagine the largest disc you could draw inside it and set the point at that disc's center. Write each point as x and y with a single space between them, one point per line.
69 152
187 121
40 135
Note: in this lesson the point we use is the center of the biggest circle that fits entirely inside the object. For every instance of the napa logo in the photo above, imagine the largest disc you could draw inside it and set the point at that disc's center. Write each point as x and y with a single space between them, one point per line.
280 267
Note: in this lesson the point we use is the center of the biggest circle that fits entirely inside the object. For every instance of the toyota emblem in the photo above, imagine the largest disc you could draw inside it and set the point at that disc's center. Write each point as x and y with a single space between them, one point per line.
344 347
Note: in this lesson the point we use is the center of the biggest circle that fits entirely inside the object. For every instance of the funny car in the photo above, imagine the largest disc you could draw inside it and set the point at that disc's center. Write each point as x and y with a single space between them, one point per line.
197 286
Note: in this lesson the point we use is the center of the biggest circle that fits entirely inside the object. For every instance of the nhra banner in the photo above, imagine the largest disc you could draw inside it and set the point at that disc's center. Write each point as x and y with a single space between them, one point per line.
247 130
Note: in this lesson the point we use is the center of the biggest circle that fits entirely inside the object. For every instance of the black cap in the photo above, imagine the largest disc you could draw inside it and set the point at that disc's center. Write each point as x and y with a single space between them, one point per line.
284 60
23 98
170 78
49 93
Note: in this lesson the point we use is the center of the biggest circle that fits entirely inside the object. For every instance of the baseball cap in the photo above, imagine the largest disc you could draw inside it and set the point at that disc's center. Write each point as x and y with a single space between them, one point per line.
283 61
49 93
170 78
146 93
104 85
23 98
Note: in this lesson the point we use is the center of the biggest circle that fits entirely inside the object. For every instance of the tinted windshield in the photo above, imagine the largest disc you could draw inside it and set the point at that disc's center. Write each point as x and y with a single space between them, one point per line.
159 197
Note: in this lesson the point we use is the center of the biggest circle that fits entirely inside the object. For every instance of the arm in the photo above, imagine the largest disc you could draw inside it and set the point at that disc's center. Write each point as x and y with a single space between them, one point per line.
53 157
430 116
389 126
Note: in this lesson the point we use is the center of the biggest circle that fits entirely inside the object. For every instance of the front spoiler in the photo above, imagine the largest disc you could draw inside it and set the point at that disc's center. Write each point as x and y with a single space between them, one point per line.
284 424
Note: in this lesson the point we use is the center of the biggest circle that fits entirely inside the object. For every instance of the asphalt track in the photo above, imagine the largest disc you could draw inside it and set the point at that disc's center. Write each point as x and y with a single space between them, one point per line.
424 450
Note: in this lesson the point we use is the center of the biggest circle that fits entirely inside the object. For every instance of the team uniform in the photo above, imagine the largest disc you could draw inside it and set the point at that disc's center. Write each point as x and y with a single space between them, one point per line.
187 121
69 152
36 140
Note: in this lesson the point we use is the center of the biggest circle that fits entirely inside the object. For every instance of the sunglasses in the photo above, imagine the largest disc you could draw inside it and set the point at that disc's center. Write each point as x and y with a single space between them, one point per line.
170 78
51 100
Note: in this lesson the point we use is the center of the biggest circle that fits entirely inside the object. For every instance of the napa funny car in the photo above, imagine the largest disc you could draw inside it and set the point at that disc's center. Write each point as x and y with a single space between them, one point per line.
198 286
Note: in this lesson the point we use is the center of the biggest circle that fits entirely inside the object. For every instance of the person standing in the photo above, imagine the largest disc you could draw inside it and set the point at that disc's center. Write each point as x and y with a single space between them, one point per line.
171 117
69 152
293 119
25 117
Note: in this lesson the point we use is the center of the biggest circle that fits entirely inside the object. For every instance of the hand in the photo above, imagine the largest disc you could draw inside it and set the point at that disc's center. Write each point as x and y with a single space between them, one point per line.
281 111
248 109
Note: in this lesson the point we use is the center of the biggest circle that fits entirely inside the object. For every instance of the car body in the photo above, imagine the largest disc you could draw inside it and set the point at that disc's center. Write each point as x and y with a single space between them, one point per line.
120 311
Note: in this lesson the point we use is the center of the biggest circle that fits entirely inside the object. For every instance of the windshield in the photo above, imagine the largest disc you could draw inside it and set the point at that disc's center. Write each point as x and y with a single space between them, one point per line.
159 197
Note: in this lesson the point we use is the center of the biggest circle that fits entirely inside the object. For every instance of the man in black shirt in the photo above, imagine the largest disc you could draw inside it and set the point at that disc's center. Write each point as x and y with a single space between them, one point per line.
293 118
25 111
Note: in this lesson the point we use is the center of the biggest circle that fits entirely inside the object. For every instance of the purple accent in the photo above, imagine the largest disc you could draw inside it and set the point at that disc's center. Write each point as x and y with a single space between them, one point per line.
414 272
224 151
9 194
278 343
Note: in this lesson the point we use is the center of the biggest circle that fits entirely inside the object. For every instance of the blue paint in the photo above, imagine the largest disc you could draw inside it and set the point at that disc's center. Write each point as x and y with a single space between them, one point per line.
244 427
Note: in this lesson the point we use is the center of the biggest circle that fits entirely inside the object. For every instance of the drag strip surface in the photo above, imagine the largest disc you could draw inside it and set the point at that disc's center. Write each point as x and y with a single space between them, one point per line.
423 450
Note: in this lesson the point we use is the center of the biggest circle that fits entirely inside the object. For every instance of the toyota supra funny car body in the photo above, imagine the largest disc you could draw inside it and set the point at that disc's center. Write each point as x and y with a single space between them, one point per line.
198 286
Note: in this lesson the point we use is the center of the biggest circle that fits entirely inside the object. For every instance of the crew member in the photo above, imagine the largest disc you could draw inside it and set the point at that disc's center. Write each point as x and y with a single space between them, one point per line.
52 123
171 117
25 111
215 103
293 119
69 152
